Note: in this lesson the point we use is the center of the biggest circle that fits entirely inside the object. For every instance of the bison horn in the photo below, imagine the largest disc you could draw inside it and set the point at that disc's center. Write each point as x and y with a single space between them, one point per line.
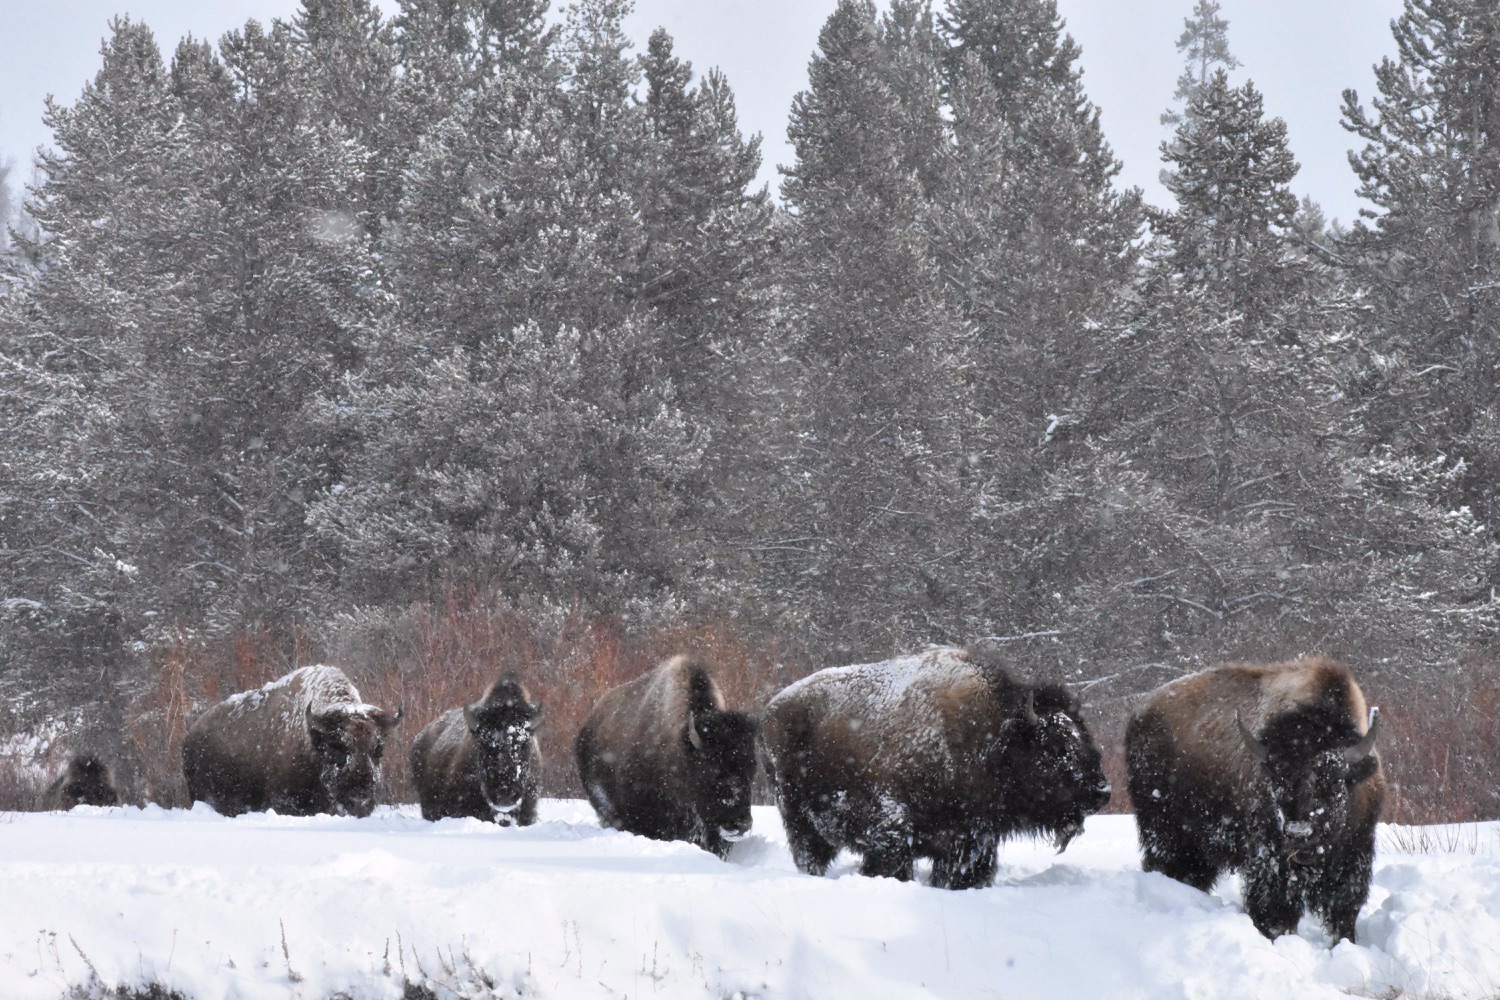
693 737
1361 750
388 721
1256 747
1028 712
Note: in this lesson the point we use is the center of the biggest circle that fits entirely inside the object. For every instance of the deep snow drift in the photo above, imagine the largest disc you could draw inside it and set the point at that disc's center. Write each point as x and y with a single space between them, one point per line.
564 909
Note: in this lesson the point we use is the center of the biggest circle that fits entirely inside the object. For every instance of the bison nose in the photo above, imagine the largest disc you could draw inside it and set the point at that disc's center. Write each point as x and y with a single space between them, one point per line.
1102 794
733 833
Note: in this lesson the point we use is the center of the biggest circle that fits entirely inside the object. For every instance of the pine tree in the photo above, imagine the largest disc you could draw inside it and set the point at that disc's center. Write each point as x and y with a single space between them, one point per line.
1066 234
73 331
349 54
1229 169
705 230
1428 246
1205 43
7 204
871 486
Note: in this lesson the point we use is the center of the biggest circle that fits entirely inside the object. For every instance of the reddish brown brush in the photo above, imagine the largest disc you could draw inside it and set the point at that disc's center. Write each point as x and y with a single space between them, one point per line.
1441 746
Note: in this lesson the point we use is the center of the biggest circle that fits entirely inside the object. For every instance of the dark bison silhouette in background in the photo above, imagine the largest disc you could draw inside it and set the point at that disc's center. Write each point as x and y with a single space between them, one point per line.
662 757
1267 770
304 744
482 760
86 781
939 754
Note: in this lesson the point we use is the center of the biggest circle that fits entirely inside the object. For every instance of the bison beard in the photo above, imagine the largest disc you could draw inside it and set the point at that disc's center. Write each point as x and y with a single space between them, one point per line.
660 756
1289 798
927 756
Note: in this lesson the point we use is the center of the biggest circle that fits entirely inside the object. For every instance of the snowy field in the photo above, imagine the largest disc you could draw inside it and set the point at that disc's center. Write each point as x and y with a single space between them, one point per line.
270 907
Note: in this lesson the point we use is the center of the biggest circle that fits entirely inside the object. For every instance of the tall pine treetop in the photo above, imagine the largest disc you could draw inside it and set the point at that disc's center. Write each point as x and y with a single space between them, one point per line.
1205 43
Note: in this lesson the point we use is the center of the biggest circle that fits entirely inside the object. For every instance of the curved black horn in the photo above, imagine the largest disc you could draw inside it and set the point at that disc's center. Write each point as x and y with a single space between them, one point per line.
1256 747
1361 750
1029 711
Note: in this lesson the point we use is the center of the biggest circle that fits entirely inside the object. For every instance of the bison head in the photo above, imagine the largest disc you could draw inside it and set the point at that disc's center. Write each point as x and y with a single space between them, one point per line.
1312 774
721 755
502 726
347 743
88 782
1051 766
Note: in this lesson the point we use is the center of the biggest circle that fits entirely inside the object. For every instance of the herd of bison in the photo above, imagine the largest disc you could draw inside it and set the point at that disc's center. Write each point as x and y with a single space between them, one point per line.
1269 770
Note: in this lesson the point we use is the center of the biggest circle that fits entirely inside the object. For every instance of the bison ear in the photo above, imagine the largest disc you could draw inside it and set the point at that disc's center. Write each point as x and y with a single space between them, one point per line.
1255 746
386 721
694 737
533 715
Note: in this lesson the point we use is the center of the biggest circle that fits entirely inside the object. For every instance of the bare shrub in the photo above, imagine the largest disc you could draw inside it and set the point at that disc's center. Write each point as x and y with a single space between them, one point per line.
1441 745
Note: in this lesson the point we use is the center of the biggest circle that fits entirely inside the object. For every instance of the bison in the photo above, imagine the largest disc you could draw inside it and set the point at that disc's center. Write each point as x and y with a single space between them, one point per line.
662 757
939 754
304 744
1267 770
86 781
481 760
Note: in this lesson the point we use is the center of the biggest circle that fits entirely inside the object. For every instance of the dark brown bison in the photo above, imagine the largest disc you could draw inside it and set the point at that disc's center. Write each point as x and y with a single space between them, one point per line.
306 743
662 757
86 781
482 760
1267 770
936 755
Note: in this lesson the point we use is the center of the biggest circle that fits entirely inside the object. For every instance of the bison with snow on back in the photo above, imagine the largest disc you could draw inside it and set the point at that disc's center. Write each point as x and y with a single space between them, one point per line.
304 744
86 781
482 760
661 756
1267 770
938 754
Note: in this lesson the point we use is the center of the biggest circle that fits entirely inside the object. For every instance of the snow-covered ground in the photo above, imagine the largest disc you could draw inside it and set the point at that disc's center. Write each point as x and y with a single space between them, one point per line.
266 906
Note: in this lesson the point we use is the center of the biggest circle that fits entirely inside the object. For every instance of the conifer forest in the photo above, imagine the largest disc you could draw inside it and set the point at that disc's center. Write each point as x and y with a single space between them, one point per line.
466 337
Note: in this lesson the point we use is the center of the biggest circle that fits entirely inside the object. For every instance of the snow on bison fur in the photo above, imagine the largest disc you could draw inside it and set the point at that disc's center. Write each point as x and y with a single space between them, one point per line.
935 755
482 760
1267 770
662 757
303 744
86 781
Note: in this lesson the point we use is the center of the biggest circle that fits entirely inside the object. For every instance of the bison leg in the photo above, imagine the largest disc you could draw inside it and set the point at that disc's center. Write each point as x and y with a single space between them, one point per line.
888 860
526 815
1272 901
811 853
1182 862
968 862
1174 850
888 846
1342 888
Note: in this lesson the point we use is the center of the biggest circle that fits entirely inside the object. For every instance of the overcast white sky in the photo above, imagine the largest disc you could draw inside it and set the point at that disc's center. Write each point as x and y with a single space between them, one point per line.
1300 53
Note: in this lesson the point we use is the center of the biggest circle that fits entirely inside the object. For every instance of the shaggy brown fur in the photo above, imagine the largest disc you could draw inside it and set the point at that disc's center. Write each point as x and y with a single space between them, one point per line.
662 757
933 755
481 760
86 781
1267 770
304 744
